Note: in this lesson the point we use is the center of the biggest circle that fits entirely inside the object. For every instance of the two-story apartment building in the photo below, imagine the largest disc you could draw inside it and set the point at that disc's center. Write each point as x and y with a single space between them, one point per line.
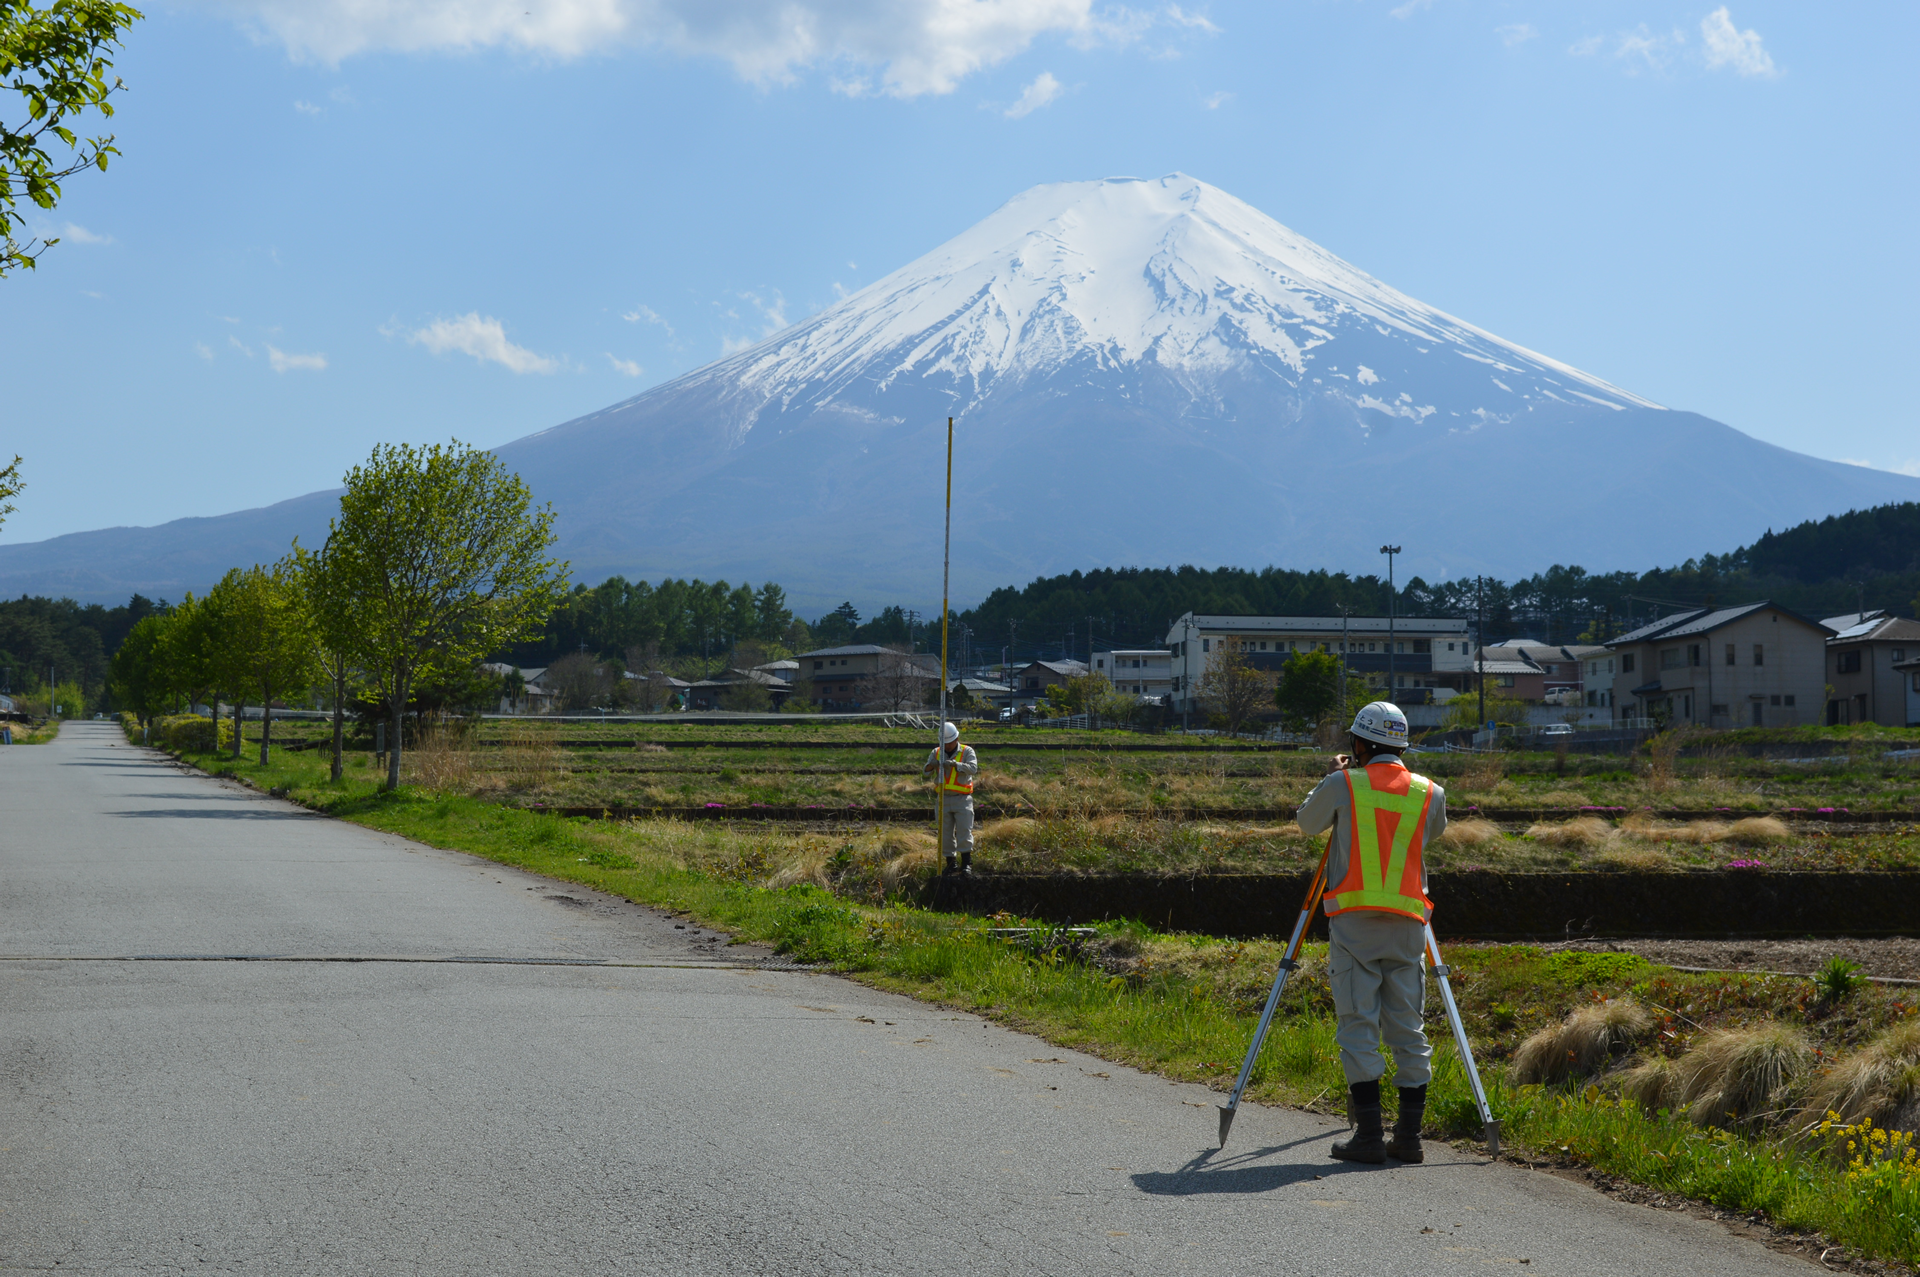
1428 652
1136 671
1030 683
1863 663
863 675
1756 665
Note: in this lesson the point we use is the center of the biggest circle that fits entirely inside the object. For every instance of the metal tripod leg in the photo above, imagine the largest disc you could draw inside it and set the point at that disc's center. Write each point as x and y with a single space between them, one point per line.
1490 1126
1289 963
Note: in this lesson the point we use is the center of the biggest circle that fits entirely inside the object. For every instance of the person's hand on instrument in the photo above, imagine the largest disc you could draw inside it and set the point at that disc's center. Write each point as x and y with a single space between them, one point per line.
1340 763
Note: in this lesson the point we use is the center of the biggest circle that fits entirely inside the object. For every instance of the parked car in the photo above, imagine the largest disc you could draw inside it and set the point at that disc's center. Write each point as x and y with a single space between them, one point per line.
1557 729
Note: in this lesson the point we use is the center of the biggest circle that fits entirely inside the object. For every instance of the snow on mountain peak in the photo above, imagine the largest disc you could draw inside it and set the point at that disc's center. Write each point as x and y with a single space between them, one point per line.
1168 272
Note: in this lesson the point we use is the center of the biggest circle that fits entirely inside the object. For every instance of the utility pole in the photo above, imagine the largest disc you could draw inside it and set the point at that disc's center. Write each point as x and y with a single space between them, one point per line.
1345 613
1390 551
1479 641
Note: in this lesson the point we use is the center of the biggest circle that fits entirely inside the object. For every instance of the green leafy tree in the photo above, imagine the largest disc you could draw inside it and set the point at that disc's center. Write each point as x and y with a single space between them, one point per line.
10 484
447 557
333 610
139 677
54 57
266 640
1310 693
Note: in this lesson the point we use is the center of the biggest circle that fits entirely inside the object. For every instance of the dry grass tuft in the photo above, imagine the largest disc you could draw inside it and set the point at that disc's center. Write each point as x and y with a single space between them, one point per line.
1564 798
1731 1077
1649 1084
1758 831
1009 832
1583 833
440 760
1634 859
1471 832
1875 1083
1585 1043
808 865
650 749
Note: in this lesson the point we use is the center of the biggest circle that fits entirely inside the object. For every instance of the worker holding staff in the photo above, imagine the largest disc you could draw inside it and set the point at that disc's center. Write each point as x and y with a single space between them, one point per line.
954 766
1383 817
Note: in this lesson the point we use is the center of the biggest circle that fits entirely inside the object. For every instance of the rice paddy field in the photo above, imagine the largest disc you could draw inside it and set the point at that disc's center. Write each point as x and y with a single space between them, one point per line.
1088 802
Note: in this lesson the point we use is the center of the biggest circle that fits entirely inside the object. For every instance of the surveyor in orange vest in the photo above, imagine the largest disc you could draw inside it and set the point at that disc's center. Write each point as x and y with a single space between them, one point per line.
954 766
1383 817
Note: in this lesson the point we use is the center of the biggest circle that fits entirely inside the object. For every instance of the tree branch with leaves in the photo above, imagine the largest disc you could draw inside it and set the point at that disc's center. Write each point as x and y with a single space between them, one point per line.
55 59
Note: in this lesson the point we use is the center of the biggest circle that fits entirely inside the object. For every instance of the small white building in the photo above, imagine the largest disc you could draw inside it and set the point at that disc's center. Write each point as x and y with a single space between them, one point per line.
1136 671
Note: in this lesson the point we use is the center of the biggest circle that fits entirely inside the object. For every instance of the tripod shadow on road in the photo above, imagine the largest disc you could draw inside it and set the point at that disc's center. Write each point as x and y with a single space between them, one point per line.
1213 1172
208 813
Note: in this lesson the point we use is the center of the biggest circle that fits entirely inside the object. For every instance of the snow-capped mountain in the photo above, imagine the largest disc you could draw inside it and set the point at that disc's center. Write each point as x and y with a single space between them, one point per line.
1141 372
1170 274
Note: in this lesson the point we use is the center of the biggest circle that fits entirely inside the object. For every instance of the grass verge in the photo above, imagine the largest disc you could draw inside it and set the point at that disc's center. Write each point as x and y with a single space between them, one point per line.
1183 1007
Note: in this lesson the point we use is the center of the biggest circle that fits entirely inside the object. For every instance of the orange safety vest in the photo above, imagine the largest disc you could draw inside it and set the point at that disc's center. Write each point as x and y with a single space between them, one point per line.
950 782
1384 850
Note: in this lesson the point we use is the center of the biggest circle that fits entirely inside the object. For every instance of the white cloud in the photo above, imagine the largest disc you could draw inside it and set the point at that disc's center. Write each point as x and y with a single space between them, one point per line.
281 361
306 108
240 346
1654 51
484 338
81 235
1410 8
732 345
1214 101
1728 46
1180 17
897 48
648 314
1043 90
625 367
203 350
774 312
1586 46
1518 33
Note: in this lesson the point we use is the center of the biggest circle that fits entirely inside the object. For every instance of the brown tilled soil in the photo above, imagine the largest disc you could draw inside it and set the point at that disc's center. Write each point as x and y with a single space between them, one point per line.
1895 958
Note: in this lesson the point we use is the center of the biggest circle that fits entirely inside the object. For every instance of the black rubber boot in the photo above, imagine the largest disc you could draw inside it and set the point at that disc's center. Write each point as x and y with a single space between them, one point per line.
1405 1144
1368 1143
966 863
953 866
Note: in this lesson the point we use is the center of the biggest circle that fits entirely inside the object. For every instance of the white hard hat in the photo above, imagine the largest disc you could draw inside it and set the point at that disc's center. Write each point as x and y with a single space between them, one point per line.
1381 722
949 733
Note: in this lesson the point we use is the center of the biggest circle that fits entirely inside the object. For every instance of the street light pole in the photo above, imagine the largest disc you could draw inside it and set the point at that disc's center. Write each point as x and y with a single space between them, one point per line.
1390 551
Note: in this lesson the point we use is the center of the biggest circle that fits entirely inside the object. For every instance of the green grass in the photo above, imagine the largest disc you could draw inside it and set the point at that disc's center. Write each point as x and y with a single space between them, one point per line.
1185 1007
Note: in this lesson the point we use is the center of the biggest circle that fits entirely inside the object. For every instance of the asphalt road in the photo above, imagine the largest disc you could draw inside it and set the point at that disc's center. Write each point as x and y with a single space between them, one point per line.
684 1114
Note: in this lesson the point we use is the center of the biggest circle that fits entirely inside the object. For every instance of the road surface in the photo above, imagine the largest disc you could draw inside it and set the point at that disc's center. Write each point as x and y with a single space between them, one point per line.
542 1110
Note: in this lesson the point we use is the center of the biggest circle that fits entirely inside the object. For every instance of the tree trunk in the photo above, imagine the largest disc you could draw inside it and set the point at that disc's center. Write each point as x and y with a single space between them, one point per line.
239 704
215 705
339 729
266 720
399 708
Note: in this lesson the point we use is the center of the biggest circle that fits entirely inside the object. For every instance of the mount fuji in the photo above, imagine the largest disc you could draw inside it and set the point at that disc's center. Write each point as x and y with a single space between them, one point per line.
1140 372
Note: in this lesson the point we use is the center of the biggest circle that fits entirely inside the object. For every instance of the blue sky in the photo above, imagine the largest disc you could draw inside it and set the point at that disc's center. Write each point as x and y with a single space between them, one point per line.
338 223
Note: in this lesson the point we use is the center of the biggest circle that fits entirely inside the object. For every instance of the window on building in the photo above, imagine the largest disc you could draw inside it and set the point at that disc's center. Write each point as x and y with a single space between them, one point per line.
1400 647
1848 662
1789 698
1671 658
1776 698
1757 713
1100 663
1503 680
819 664
1759 654
1696 654
1899 654
1421 646
1626 663
1206 645
1730 649
1593 698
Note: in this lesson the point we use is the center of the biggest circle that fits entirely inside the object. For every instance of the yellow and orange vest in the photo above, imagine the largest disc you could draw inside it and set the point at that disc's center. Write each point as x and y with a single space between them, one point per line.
1385 868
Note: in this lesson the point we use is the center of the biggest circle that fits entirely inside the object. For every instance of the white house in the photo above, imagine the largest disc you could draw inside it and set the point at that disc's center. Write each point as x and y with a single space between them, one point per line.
1137 671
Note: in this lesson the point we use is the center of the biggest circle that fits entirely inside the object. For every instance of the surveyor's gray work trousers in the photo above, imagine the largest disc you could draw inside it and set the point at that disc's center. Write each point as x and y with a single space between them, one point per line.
1379 991
956 825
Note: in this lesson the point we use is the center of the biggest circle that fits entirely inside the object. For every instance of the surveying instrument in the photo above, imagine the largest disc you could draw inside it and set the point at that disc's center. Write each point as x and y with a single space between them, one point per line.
1290 962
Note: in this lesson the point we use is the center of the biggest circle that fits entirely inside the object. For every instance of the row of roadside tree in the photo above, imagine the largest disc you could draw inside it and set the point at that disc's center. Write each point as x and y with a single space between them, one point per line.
438 557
